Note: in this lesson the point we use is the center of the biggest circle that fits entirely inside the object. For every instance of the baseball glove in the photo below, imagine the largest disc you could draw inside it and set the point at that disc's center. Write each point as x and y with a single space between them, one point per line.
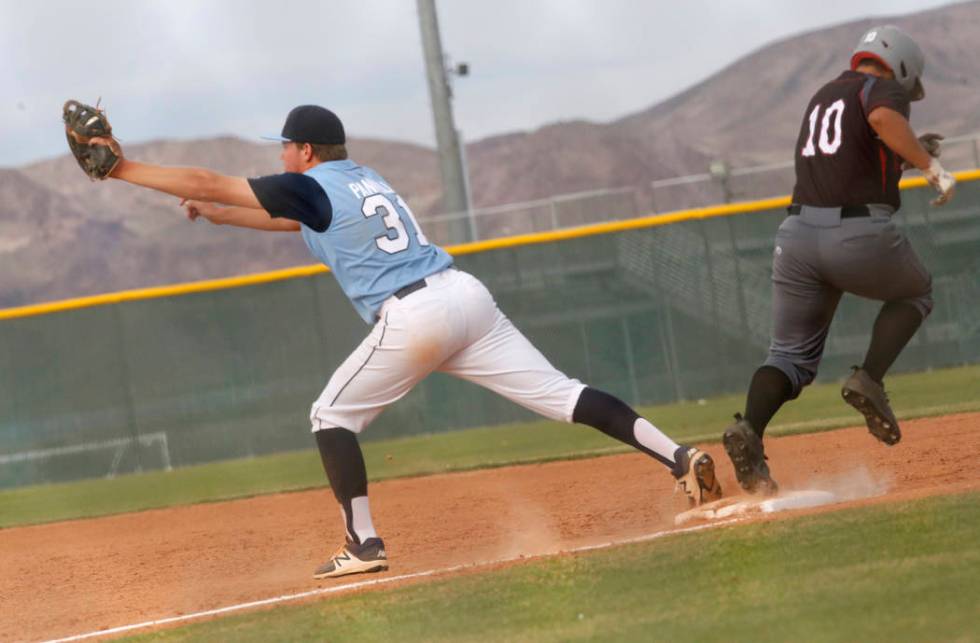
83 123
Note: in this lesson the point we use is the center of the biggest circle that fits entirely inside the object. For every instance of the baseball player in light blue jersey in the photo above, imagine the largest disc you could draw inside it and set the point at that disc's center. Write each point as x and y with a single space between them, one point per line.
426 315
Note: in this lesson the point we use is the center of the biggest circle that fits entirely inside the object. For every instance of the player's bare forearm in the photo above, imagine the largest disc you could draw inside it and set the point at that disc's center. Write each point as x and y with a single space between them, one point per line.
895 132
188 183
254 218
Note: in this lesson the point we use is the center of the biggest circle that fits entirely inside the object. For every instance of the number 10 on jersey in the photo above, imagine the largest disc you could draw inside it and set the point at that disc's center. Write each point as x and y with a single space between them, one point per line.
831 134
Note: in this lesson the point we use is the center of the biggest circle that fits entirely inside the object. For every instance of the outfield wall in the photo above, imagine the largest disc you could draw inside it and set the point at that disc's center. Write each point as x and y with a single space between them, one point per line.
654 310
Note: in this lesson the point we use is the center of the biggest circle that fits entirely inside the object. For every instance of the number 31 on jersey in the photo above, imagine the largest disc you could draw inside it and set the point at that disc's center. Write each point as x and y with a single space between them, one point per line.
831 134
379 204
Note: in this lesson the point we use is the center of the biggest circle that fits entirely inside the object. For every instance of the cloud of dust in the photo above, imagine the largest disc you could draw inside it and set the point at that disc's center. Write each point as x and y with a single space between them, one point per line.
532 530
854 484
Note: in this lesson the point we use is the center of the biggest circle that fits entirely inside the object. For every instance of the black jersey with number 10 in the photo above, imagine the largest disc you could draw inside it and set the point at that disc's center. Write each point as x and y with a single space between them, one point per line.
839 159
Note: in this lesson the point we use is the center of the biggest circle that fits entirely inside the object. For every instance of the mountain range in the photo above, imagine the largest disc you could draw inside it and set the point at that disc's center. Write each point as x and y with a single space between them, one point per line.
64 236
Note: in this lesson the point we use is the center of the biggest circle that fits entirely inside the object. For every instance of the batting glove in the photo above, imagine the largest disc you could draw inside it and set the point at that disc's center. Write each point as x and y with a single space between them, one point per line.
943 181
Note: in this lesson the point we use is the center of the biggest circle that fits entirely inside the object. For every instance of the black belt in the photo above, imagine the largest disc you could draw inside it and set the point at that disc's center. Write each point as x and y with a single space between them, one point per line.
405 291
847 212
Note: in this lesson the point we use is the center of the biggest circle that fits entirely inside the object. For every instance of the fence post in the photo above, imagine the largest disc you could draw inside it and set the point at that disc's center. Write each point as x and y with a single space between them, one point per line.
585 350
474 227
126 384
740 284
630 364
321 328
670 348
712 287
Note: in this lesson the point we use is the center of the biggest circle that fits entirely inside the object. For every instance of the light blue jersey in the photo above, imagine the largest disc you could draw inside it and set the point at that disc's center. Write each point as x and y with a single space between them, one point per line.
373 245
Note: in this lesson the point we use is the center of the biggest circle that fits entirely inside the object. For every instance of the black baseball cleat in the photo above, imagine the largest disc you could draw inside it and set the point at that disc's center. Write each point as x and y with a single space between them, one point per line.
352 558
695 473
744 447
871 401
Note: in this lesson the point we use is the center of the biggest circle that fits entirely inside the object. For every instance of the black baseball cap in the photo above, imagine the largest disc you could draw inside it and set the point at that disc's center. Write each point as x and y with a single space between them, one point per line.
311 124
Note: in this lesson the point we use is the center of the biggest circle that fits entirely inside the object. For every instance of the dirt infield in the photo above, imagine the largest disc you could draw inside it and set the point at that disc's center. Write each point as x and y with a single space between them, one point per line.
79 576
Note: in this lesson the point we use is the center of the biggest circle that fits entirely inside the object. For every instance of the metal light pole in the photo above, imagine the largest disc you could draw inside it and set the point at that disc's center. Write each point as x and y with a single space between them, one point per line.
720 172
456 196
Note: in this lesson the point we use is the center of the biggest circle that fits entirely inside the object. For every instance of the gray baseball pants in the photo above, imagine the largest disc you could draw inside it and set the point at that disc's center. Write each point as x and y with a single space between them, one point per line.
819 256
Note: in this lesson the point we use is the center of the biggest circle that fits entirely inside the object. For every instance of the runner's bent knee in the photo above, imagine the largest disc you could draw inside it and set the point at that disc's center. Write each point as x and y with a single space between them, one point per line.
799 374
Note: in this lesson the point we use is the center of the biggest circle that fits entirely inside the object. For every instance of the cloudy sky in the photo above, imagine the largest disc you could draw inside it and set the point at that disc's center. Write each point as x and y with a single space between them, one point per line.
196 68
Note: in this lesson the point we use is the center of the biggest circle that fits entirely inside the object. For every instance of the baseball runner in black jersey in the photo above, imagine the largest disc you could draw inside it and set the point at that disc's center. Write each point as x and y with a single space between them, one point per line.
838 237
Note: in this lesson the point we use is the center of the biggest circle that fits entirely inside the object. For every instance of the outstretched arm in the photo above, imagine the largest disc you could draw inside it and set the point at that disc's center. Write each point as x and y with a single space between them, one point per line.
194 183
185 182
255 218
257 202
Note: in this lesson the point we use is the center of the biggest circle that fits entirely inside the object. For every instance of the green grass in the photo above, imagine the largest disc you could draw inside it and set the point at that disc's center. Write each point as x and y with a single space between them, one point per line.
899 572
819 408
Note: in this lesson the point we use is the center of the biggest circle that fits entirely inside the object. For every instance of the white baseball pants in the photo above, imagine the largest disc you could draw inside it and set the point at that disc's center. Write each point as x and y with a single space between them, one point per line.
454 326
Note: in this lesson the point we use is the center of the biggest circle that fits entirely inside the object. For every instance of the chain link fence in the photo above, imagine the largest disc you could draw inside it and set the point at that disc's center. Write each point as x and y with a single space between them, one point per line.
653 314
723 184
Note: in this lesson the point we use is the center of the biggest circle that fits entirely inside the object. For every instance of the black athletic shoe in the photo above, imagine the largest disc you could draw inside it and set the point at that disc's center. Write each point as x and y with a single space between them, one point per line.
352 558
871 401
744 447
695 473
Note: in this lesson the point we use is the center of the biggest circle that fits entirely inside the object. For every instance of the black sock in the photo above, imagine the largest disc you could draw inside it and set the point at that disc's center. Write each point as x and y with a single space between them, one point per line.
769 389
612 416
894 327
343 463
